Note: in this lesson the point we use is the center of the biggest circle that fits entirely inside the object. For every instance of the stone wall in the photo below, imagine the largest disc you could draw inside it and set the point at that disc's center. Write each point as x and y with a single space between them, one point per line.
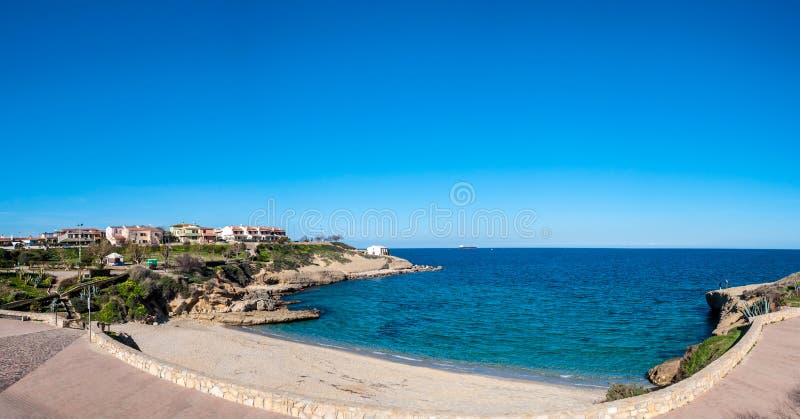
644 406
670 398
48 318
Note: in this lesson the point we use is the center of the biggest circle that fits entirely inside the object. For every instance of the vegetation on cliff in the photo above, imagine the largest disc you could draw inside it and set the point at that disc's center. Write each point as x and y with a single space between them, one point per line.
145 293
785 292
707 352
292 256
15 286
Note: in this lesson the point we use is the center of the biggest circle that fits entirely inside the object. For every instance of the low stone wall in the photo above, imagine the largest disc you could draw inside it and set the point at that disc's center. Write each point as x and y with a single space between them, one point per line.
670 398
644 406
48 318
283 403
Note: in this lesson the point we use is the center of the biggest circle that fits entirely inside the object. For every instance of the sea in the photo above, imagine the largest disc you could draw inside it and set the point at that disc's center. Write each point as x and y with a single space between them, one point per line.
583 317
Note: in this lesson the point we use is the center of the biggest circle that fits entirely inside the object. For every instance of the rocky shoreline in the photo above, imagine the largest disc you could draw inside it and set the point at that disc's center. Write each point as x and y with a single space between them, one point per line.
262 302
727 304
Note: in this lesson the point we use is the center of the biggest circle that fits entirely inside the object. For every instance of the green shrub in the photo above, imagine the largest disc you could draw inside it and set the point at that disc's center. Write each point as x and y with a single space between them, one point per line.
133 294
622 391
236 273
110 313
708 351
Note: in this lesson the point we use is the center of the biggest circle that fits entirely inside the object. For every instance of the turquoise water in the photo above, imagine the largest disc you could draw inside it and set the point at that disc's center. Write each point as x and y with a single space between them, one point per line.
582 315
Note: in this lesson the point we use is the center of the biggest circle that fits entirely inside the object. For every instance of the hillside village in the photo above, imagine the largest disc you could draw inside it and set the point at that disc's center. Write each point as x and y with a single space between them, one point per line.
233 275
182 233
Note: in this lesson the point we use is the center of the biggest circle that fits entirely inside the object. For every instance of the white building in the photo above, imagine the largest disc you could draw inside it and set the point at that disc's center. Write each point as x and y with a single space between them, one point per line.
115 259
377 251
251 233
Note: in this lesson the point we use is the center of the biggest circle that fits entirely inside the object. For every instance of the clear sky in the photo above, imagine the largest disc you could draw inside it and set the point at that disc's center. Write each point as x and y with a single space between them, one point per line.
617 123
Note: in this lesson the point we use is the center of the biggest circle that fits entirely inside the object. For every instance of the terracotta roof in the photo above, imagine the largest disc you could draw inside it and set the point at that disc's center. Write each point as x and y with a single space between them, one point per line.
145 229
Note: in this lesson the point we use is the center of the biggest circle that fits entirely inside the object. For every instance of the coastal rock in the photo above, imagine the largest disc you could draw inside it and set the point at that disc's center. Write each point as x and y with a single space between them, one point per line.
728 303
243 306
228 301
265 305
665 373
252 318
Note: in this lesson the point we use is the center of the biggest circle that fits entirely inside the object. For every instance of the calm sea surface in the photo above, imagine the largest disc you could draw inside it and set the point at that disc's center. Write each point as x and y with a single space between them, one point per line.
587 316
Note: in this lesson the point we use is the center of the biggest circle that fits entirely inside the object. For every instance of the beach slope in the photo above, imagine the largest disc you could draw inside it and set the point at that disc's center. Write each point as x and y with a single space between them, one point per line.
324 374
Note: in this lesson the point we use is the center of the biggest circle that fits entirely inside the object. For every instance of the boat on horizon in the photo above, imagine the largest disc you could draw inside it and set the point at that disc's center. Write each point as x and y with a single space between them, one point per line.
462 247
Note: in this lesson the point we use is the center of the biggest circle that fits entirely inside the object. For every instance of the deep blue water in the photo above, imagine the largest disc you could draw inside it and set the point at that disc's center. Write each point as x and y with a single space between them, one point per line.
593 315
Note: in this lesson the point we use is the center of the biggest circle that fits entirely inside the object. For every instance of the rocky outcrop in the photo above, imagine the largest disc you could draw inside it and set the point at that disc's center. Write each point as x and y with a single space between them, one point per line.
664 374
225 300
728 304
390 271
251 318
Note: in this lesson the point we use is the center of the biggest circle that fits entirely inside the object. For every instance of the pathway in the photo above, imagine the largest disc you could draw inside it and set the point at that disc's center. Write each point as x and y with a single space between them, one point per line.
55 373
765 385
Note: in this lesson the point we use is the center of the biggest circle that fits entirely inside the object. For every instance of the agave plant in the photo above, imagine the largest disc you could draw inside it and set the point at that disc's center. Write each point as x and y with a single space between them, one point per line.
756 308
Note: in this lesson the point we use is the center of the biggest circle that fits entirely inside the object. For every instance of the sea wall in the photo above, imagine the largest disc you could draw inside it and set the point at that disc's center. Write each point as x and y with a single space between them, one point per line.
644 406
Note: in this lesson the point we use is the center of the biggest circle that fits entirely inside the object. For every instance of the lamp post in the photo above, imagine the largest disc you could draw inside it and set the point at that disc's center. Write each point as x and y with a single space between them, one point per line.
90 315
53 306
87 293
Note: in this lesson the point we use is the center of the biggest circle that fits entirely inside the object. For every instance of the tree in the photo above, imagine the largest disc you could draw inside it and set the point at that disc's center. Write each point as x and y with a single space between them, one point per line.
63 256
188 264
23 258
233 250
99 252
137 253
166 250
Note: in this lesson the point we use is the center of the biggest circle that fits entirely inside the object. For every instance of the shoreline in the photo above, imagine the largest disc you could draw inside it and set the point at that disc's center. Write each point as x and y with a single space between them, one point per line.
505 372
331 374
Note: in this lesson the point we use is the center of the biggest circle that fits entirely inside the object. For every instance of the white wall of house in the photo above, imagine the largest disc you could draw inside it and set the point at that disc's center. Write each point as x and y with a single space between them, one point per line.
377 250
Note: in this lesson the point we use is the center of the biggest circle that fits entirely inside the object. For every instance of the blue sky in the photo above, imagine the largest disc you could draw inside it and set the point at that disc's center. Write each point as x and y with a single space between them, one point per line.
618 124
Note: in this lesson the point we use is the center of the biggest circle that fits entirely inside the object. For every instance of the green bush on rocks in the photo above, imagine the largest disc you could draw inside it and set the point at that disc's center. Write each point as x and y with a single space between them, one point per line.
619 391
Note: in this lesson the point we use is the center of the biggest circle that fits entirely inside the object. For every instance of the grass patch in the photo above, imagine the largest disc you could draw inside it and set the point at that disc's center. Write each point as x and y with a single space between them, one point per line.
293 256
619 391
709 351
791 296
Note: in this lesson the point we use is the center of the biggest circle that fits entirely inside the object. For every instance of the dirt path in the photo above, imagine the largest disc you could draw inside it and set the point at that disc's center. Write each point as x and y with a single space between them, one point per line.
765 385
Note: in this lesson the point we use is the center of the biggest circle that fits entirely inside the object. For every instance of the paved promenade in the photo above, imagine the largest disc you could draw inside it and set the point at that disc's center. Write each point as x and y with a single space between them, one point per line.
765 385
54 373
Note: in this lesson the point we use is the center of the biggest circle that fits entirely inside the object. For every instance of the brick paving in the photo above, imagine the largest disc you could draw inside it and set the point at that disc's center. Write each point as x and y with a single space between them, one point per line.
22 354
77 381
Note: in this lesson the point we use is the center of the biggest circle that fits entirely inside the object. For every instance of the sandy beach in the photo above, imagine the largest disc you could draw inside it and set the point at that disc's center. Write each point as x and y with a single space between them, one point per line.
324 374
